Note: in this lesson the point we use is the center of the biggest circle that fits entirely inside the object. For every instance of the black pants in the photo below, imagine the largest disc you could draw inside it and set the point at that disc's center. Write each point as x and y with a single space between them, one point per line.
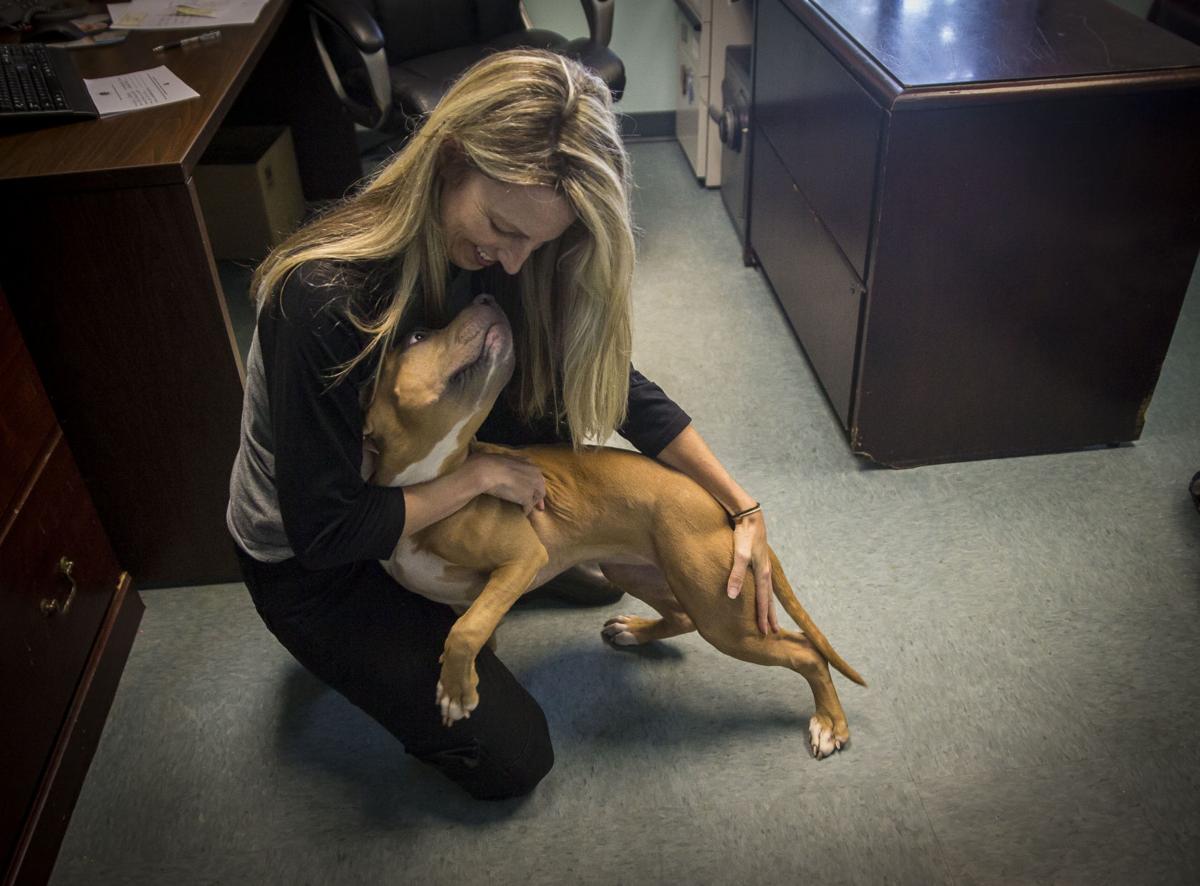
378 645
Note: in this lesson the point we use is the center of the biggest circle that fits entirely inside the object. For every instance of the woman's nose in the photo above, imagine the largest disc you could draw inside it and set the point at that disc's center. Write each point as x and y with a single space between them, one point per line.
512 257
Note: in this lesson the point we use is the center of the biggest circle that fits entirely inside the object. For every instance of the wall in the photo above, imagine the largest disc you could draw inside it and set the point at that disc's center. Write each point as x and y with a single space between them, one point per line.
643 36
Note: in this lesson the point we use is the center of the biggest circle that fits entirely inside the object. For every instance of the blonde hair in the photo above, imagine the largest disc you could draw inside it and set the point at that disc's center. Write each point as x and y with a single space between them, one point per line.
523 117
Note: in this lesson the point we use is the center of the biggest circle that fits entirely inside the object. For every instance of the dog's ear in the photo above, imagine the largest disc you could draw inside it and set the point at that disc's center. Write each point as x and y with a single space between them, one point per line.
379 426
366 399
378 416
408 396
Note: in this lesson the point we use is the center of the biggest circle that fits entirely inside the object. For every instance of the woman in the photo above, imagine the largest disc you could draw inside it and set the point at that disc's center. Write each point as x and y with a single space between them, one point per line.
516 184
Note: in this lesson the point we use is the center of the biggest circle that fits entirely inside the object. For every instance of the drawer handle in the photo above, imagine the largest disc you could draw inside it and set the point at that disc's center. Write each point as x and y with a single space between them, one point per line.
51 606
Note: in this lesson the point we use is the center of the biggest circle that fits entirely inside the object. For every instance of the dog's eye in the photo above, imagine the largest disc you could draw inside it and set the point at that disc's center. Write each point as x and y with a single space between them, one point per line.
415 336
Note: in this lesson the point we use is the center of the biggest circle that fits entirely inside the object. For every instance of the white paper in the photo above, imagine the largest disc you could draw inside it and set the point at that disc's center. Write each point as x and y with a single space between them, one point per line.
155 15
141 89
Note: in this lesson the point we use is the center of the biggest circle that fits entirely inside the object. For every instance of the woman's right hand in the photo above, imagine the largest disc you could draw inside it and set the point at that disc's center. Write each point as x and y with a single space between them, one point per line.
511 479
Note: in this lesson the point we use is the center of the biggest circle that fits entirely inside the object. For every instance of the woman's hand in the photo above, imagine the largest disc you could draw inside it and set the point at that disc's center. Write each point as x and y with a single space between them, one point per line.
511 479
690 454
750 551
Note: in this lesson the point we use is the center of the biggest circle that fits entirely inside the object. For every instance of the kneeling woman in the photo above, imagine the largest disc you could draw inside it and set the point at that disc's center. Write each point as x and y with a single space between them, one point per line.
516 184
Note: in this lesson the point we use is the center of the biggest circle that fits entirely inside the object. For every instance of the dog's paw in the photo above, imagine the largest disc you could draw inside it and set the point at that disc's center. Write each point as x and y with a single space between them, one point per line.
625 630
454 709
823 739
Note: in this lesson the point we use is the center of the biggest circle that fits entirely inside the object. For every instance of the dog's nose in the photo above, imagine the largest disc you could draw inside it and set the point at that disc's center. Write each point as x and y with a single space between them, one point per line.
485 299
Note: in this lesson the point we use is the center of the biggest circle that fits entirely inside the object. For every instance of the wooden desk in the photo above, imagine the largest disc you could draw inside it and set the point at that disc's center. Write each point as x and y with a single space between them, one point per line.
980 218
108 270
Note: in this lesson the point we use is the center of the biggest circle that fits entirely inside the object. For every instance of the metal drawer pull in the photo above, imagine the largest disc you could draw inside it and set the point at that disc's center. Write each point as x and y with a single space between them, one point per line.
51 606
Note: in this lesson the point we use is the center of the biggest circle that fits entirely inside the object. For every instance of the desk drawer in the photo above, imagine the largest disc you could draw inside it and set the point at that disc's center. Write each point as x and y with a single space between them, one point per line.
819 292
42 656
26 419
825 126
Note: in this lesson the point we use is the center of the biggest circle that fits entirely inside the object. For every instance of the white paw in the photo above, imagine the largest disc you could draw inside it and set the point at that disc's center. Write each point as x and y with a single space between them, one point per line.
617 630
452 711
821 739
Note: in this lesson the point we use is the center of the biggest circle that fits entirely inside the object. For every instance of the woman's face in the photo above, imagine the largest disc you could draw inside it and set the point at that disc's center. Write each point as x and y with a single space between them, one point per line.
486 221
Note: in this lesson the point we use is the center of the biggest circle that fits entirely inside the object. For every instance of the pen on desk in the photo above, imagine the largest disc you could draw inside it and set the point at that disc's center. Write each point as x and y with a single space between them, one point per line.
206 37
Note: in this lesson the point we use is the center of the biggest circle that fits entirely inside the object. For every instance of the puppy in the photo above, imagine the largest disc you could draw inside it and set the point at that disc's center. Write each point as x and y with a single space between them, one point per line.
660 536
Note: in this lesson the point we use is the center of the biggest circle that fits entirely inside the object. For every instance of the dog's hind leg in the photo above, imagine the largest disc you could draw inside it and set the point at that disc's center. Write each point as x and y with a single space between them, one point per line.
648 585
698 574
827 730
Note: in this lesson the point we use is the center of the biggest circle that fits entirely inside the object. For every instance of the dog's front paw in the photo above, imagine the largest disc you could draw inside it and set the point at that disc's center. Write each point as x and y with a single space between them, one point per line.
457 698
823 739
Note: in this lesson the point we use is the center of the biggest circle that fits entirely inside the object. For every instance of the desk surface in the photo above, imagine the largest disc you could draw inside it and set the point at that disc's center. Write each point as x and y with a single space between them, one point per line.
943 42
154 146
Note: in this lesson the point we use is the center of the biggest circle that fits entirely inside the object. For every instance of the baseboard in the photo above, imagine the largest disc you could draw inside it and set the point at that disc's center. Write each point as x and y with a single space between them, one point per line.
647 125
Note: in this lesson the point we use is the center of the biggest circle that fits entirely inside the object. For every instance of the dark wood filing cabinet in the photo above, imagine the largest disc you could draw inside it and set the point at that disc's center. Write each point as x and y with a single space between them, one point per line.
980 216
68 617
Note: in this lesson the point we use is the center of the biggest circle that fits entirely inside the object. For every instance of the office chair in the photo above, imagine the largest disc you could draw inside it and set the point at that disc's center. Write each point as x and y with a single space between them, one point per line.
1180 16
390 61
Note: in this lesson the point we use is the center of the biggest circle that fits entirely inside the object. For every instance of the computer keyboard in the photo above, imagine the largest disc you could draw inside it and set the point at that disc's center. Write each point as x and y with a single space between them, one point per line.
40 84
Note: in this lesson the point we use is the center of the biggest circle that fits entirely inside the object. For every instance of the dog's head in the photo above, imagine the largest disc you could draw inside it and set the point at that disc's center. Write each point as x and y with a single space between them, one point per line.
436 389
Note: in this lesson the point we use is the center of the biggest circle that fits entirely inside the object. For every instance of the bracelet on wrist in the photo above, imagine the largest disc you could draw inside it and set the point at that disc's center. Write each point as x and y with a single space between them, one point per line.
734 519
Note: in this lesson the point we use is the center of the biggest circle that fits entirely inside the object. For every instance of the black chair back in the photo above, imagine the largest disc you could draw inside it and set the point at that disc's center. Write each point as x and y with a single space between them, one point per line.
413 28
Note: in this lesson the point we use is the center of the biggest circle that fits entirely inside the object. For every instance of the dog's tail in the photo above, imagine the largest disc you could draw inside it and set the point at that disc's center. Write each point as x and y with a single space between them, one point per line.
787 597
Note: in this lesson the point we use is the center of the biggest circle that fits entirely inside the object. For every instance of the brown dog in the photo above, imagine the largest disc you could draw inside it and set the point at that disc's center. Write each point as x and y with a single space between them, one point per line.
660 536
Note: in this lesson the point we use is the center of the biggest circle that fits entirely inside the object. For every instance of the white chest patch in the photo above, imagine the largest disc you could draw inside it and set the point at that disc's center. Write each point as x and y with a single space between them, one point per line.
430 576
431 465
420 571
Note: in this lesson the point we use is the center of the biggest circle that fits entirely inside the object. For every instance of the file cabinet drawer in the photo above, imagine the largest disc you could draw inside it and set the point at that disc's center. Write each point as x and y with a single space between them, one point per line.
55 551
822 122
819 292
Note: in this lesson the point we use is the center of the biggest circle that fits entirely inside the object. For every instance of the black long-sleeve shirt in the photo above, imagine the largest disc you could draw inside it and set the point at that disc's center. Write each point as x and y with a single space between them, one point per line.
297 487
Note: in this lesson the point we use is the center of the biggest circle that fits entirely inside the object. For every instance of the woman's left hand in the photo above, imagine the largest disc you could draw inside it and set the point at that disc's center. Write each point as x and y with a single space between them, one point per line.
750 551
690 454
